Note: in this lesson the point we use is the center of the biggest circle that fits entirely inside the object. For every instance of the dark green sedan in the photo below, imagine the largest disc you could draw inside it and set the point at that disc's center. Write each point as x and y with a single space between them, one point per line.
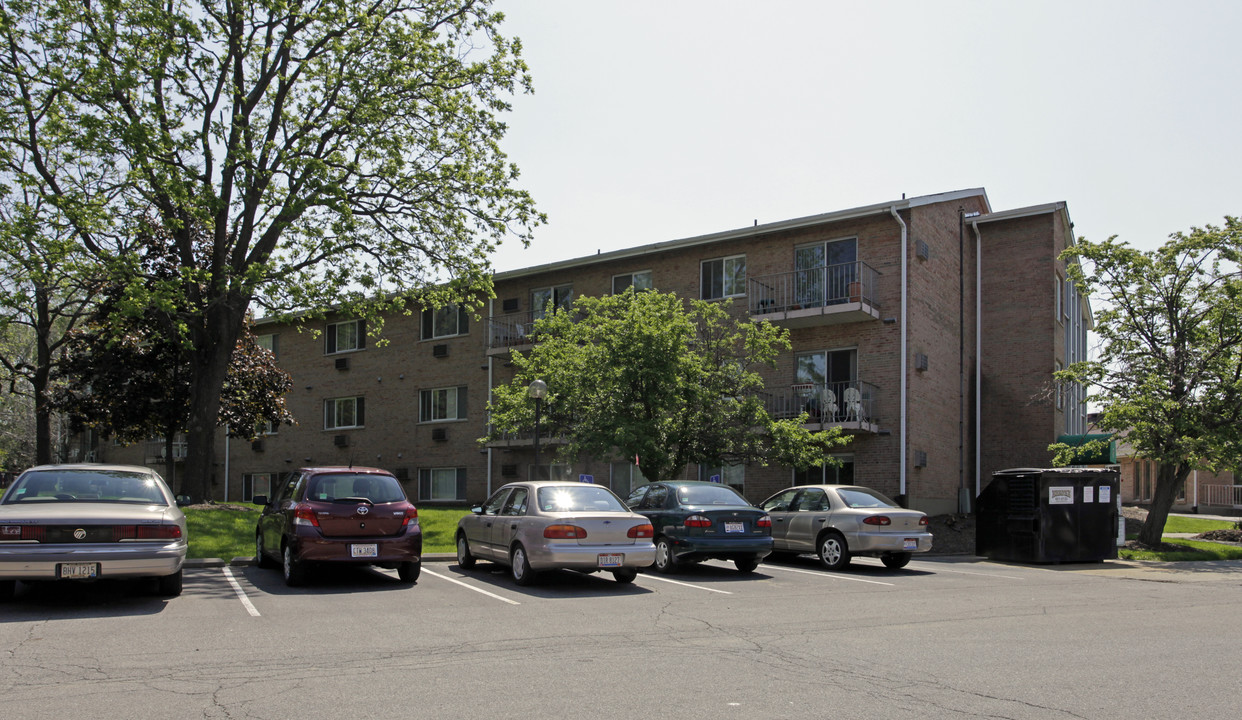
697 521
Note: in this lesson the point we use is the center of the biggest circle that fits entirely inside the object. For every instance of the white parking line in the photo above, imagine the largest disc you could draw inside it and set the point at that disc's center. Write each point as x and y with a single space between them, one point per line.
940 568
470 587
825 574
241 594
678 582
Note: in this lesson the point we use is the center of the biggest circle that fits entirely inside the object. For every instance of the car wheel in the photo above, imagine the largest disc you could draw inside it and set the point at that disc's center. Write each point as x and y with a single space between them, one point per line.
169 585
746 565
409 571
260 553
519 566
895 561
464 558
665 562
7 589
833 552
625 576
295 572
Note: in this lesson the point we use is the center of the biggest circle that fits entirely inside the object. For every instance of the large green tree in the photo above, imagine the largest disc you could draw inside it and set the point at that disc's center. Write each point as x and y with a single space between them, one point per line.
339 153
649 375
1169 372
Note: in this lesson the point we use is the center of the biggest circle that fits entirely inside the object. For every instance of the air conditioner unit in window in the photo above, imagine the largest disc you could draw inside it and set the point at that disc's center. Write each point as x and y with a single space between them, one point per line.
508 470
510 305
342 363
257 446
439 350
402 474
341 440
439 434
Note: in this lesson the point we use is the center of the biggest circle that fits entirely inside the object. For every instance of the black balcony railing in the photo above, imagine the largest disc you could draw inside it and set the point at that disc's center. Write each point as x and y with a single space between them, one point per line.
818 287
840 403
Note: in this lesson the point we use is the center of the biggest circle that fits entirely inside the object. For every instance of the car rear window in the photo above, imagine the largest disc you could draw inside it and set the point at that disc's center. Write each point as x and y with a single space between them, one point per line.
331 487
579 498
102 486
709 495
864 498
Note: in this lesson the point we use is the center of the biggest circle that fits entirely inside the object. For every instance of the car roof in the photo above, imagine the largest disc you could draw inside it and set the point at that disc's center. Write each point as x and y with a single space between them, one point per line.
90 466
548 483
321 469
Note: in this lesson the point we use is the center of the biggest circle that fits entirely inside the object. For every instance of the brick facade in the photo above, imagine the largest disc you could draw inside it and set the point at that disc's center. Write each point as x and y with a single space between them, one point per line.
862 326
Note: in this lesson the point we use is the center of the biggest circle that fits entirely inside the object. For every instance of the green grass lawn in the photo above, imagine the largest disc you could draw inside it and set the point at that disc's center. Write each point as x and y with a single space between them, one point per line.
1195 549
226 533
1179 524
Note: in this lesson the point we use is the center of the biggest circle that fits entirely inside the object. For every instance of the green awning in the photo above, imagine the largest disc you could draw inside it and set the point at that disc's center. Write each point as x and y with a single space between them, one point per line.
1105 455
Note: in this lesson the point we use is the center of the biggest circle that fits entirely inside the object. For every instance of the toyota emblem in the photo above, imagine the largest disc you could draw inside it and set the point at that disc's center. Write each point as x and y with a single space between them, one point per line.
79 534
363 510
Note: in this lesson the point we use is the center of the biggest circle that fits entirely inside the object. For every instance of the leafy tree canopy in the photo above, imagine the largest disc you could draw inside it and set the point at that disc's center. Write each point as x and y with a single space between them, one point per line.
647 374
1169 377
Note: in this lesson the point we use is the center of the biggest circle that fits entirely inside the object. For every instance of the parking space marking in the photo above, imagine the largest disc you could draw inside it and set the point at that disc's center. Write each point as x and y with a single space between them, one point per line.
678 582
241 594
470 587
940 568
825 574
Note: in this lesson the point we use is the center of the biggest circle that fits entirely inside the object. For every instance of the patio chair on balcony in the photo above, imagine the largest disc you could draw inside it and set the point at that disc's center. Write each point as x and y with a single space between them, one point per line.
853 404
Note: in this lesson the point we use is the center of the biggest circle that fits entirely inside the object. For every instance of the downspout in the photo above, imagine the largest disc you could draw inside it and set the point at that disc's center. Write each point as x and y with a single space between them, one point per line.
487 333
904 316
978 357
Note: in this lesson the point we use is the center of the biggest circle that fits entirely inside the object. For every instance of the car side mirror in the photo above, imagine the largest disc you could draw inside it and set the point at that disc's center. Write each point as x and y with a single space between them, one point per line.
182 500
259 499
477 509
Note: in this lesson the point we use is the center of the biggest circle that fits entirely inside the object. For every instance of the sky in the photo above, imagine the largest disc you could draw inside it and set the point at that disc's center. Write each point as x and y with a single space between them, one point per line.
654 121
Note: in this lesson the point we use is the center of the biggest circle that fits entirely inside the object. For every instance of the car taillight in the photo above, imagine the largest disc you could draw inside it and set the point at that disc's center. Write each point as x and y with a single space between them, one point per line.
700 521
23 532
411 515
564 532
304 515
168 531
765 521
877 520
923 520
641 531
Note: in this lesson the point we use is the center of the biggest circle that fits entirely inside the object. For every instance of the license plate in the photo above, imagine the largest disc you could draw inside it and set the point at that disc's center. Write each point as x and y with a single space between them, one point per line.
78 571
369 550
735 527
611 559
912 544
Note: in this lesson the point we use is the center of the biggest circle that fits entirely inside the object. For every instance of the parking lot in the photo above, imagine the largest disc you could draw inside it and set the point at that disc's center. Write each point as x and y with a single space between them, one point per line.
944 637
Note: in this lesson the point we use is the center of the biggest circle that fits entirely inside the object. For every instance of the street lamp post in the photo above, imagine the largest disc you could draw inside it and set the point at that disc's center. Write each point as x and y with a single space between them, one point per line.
538 390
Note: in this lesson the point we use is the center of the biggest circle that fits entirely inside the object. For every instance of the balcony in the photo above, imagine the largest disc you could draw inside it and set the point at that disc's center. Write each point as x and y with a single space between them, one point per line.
825 295
852 406
154 451
525 439
505 332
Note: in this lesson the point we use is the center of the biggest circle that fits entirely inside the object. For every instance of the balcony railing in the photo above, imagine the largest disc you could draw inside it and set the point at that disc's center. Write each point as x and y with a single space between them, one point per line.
525 438
851 405
154 451
824 288
511 330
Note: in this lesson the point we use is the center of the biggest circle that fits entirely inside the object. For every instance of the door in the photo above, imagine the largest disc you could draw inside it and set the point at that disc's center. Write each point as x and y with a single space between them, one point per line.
505 527
479 527
831 375
808 515
278 515
824 272
778 508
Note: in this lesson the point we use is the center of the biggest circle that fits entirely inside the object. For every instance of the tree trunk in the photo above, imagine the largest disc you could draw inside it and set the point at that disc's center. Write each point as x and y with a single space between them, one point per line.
213 350
1169 480
42 378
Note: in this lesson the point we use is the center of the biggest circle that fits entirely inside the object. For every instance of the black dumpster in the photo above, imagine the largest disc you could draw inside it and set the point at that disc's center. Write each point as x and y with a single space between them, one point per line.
1049 515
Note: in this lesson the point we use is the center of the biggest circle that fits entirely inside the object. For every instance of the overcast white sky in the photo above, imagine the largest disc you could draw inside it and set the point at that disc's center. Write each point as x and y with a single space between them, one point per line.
653 121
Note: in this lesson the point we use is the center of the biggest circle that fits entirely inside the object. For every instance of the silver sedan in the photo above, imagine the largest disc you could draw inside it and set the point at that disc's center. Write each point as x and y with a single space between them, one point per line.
837 522
535 526
90 521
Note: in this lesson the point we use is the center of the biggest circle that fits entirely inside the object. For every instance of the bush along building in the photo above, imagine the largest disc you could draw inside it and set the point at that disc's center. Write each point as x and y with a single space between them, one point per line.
927 328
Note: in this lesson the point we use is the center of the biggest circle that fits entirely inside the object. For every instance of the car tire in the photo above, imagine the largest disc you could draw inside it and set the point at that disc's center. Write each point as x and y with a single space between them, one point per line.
895 561
294 570
625 576
260 555
519 566
746 565
409 571
464 558
665 561
169 585
7 589
833 551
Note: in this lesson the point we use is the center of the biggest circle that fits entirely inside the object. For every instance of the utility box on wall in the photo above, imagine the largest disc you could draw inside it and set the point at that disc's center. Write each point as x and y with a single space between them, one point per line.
1049 515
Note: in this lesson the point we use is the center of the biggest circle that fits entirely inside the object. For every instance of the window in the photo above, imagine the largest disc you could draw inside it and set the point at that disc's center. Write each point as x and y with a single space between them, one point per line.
267 427
1069 296
827 474
638 281
442 404
445 322
345 336
723 278
732 475
826 273
442 484
269 343
1056 386
256 484
559 297
1057 285
342 413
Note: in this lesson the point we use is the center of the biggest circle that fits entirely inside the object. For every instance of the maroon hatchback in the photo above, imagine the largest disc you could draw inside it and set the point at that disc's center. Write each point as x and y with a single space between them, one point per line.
353 515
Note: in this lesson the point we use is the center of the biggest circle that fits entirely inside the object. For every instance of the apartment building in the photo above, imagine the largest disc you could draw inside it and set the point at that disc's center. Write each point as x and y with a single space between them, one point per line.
926 328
